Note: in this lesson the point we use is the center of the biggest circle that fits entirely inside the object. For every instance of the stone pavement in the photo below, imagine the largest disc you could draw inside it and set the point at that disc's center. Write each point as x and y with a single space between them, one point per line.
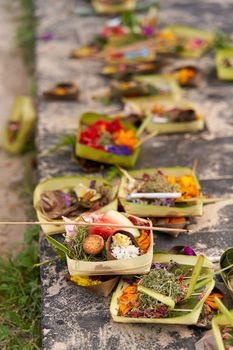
72 318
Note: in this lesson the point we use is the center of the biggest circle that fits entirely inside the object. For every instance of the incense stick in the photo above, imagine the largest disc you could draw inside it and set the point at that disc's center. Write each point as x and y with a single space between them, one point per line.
84 223
154 195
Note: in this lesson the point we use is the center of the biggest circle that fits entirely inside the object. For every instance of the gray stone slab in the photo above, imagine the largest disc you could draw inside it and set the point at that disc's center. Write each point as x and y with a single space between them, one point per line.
72 318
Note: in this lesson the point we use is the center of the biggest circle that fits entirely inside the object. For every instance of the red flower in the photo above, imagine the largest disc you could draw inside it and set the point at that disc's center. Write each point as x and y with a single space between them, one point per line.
92 133
109 31
114 126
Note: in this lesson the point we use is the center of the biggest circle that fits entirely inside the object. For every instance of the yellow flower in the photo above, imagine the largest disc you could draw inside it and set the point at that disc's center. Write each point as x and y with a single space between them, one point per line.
125 137
84 281
187 186
168 36
60 91
109 69
125 85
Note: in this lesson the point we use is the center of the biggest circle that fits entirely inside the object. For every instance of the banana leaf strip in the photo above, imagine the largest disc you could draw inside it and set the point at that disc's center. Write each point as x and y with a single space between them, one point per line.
220 323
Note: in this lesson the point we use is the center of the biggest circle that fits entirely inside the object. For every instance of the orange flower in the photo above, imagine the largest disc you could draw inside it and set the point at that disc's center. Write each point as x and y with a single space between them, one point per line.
144 241
187 186
125 137
167 35
185 75
102 128
128 299
60 91
157 109
210 303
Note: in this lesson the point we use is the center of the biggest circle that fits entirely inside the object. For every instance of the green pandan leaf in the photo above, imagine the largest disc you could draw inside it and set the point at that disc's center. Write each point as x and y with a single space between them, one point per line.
218 322
160 297
195 275
58 245
224 310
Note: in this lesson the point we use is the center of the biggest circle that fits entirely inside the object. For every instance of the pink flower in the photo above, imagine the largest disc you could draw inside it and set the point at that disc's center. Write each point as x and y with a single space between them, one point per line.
70 230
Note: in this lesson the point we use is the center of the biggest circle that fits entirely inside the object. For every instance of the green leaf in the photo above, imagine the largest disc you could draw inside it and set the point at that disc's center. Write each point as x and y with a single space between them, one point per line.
65 140
224 310
14 317
158 296
57 245
4 332
31 234
222 41
112 172
129 20
195 275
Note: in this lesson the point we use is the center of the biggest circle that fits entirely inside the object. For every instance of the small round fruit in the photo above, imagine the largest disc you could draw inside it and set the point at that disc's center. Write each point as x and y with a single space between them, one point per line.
93 244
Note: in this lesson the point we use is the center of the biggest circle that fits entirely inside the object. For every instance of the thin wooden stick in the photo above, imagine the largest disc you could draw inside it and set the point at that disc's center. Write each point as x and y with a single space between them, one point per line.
127 175
84 223
215 199
195 165
144 124
146 138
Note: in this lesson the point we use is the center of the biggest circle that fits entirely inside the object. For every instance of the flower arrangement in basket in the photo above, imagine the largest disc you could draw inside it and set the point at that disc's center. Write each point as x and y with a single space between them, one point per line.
167 114
184 41
120 32
71 196
173 292
109 243
107 140
161 192
143 86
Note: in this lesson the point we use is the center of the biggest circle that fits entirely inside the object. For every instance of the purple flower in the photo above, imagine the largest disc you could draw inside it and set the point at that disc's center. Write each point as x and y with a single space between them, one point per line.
67 199
93 184
46 37
158 266
147 30
128 280
189 251
121 150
